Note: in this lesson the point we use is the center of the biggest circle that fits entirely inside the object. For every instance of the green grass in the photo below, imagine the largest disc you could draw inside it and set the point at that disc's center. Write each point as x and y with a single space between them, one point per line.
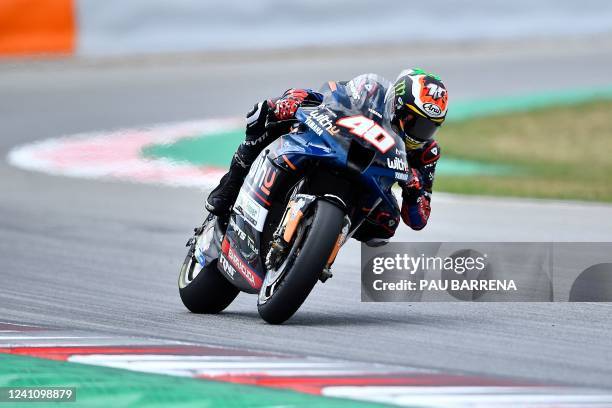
110 387
559 152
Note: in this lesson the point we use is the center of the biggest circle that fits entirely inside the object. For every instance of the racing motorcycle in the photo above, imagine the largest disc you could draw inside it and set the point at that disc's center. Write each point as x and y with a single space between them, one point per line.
305 195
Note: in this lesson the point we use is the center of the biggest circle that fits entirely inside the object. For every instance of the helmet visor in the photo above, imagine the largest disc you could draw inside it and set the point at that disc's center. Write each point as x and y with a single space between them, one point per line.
417 127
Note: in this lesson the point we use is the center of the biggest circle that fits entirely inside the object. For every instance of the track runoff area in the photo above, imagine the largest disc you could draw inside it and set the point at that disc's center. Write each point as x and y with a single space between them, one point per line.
105 369
102 369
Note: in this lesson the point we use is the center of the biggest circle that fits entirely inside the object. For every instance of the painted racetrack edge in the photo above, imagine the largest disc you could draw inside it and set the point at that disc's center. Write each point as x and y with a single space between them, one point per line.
90 360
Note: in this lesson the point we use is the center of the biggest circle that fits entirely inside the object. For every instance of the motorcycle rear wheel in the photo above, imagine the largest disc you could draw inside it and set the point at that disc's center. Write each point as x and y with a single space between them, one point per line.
206 292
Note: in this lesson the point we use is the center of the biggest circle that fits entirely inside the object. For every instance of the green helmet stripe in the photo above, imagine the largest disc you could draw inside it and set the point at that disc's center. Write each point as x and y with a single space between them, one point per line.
419 71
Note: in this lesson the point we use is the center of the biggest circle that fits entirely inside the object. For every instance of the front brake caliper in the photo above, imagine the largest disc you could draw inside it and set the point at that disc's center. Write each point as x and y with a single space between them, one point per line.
284 234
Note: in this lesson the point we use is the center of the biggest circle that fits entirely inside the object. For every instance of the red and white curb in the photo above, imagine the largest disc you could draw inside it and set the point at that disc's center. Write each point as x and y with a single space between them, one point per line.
400 386
117 154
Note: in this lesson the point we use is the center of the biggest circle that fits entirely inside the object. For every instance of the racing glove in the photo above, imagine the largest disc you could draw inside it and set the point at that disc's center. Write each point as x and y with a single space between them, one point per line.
416 206
286 106
416 192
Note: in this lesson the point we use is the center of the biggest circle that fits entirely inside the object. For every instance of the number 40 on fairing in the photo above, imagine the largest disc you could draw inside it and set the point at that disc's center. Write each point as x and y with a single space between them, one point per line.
369 130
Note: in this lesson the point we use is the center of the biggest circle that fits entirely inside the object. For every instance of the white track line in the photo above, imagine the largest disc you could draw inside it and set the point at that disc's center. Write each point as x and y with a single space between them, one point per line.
462 396
283 366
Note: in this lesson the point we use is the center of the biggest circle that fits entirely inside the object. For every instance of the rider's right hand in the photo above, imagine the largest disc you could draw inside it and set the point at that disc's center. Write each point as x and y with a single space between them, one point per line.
414 185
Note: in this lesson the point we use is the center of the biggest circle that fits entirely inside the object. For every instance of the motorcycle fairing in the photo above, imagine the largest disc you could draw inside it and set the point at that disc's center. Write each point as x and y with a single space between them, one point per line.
317 139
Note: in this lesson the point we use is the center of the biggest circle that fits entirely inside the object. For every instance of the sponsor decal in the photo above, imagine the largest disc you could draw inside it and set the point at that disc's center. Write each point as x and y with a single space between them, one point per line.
239 232
353 89
432 94
375 113
357 86
256 141
397 164
243 236
265 178
318 121
435 91
432 110
400 88
251 210
243 268
223 262
313 125
251 245
402 176
431 154
226 266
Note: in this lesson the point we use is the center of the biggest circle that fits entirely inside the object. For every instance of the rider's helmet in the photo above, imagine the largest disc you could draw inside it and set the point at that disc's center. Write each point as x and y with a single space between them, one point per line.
416 106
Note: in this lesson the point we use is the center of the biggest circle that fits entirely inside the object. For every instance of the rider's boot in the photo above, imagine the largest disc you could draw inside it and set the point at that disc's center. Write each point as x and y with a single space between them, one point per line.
221 199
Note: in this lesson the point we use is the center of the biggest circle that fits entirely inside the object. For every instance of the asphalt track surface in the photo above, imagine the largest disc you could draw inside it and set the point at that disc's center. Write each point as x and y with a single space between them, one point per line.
105 255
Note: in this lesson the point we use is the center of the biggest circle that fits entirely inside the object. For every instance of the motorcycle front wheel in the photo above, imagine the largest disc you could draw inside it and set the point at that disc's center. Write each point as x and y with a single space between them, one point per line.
303 265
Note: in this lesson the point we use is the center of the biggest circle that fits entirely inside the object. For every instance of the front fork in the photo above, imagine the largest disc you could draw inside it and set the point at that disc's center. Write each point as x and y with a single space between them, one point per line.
342 238
283 237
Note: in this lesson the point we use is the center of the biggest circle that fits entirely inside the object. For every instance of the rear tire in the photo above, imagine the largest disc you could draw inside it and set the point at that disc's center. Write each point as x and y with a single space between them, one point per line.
208 292
303 274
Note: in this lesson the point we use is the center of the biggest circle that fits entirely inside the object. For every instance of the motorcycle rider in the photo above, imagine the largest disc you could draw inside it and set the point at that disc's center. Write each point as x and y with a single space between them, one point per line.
415 105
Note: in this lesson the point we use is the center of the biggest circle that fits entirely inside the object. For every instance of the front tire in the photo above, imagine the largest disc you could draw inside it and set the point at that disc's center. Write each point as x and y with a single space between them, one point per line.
303 273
